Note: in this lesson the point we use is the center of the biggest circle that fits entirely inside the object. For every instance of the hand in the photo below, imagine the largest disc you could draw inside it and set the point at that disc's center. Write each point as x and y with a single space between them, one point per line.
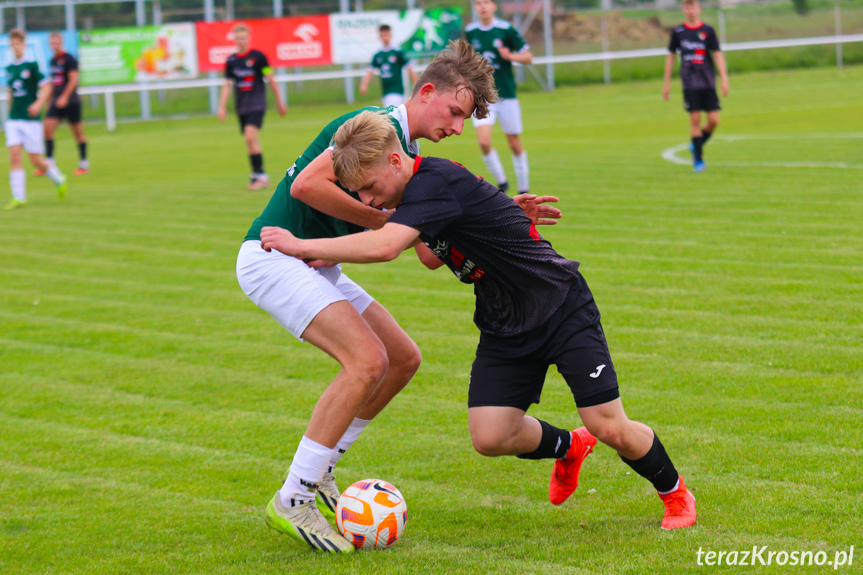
534 208
363 89
724 87
665 92
61 102
283 109
281 240
34 109
505 53
382 218
222 114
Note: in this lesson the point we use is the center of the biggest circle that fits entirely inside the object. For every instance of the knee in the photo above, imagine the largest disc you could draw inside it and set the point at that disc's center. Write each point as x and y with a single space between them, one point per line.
369 369
409 362
610 434
485 146
488 443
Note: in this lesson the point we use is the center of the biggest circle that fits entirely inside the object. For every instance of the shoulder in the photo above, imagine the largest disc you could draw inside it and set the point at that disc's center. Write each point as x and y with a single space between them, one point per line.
499 24
678 29
472 27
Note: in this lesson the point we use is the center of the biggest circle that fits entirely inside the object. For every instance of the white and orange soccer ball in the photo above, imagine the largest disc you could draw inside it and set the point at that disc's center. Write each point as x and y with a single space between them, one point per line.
371 514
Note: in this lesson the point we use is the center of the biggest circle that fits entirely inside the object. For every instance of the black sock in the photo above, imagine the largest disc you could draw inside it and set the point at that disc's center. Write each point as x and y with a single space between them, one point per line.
49 149
705 135
656 467
82 150
553 445
698 144
257 163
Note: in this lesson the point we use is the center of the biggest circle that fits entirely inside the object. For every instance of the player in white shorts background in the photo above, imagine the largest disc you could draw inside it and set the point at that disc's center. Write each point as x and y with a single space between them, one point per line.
501 45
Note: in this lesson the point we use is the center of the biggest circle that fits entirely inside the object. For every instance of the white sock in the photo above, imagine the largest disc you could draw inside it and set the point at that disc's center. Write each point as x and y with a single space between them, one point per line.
522 172
494 166
18 183
307 469
84 164
55 174
676 487
351 435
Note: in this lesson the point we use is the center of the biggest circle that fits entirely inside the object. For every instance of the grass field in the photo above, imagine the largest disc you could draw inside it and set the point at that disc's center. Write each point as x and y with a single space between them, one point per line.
148 409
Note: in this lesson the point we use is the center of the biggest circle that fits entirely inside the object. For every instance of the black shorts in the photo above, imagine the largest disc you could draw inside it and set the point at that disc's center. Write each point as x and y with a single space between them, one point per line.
71 113
510 371
255 118
698 100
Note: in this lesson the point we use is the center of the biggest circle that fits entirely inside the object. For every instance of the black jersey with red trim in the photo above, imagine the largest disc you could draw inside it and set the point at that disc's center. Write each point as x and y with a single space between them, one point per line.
247 72
695 44
61 65
519 280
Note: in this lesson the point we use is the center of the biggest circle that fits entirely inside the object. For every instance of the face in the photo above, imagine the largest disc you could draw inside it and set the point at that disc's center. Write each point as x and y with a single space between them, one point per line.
485 9
241 39
444 113
56 43
692 12
18 47
386 36
384 185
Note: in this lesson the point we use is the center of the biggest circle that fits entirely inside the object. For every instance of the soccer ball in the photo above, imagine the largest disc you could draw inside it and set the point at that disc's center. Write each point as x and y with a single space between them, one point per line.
371 514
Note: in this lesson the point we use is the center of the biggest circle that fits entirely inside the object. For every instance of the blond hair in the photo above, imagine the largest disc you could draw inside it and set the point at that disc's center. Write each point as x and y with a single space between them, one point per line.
17 34
362 143
460 67
240 28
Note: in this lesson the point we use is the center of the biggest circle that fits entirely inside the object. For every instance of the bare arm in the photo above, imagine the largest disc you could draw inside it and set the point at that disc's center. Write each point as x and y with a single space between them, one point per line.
364 84
277 94
669 68
719 58
316 186
381 245
223 100
427 258
518 57
44 95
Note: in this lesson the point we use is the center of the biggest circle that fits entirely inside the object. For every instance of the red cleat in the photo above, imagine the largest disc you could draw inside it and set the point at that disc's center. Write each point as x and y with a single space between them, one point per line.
679 508
564 477
80 171
38 172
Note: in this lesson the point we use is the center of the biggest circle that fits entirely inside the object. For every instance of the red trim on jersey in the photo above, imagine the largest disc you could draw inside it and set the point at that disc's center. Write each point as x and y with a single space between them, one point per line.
244 54
60 55
417 161
695 26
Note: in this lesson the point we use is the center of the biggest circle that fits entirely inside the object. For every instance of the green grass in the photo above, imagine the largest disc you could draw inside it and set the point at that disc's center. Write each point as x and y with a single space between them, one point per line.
148 409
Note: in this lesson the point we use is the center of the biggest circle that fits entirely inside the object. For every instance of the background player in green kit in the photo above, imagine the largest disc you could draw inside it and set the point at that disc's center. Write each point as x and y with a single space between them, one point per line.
29 90
533 309
389 62
502 45
319 304
699 49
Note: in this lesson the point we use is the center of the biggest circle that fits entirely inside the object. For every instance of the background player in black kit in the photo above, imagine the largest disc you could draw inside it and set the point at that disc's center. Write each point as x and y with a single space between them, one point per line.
533 308
65 104
246 70
699 50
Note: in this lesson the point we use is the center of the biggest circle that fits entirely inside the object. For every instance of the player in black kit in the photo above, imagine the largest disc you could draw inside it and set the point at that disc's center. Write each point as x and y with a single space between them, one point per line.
700 57
246 70
65 104
533 308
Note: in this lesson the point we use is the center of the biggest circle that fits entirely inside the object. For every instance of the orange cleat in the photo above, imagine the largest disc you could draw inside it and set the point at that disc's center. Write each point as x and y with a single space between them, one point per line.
259 184
80 171
564 477
38 172
679 508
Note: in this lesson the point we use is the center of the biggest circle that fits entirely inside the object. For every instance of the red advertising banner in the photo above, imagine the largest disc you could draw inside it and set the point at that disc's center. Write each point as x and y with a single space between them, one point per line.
296 41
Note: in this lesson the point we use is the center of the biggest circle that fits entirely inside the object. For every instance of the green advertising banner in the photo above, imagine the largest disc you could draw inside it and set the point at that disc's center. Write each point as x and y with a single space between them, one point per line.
141 54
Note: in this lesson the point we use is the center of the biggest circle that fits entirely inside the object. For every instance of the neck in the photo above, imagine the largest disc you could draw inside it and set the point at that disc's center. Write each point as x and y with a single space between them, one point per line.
486 21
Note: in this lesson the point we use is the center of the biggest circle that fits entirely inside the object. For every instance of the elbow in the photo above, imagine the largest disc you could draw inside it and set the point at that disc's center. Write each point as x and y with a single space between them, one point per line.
299 189
388 253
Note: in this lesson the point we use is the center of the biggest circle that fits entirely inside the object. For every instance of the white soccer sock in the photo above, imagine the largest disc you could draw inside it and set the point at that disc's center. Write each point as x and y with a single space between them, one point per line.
84 164
18 183
522 172
55 174
494 166
676 487
351 435
307 469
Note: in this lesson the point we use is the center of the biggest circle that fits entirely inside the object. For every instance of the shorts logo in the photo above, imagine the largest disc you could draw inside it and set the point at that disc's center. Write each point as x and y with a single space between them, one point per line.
596 373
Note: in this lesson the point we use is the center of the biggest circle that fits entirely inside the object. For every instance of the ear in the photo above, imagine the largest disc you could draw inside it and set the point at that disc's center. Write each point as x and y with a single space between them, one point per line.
427 92
395 161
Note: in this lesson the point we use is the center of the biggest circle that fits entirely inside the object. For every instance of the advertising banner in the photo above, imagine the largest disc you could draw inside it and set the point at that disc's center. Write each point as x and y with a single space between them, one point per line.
295 41
418 32
141 54
37 49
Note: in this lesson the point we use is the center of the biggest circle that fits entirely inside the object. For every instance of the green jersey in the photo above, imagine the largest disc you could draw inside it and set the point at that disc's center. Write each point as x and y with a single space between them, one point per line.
487 40
303 220
24 79
389 63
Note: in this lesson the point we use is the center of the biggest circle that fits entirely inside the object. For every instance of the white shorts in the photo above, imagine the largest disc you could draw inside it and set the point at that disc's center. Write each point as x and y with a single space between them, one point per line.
508 111
393 100
30 133
289 290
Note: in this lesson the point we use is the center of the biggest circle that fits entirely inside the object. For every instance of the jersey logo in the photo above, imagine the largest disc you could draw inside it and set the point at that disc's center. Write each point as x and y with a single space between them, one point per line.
498 43
702 36
250 62
25 74
534 235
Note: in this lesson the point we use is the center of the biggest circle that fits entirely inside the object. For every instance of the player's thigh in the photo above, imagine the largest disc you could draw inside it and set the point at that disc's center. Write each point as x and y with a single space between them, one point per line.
285 287
251 133
341 332
509 115
393 100
492 425
400 347
14 133
51 123
489 120
34 137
